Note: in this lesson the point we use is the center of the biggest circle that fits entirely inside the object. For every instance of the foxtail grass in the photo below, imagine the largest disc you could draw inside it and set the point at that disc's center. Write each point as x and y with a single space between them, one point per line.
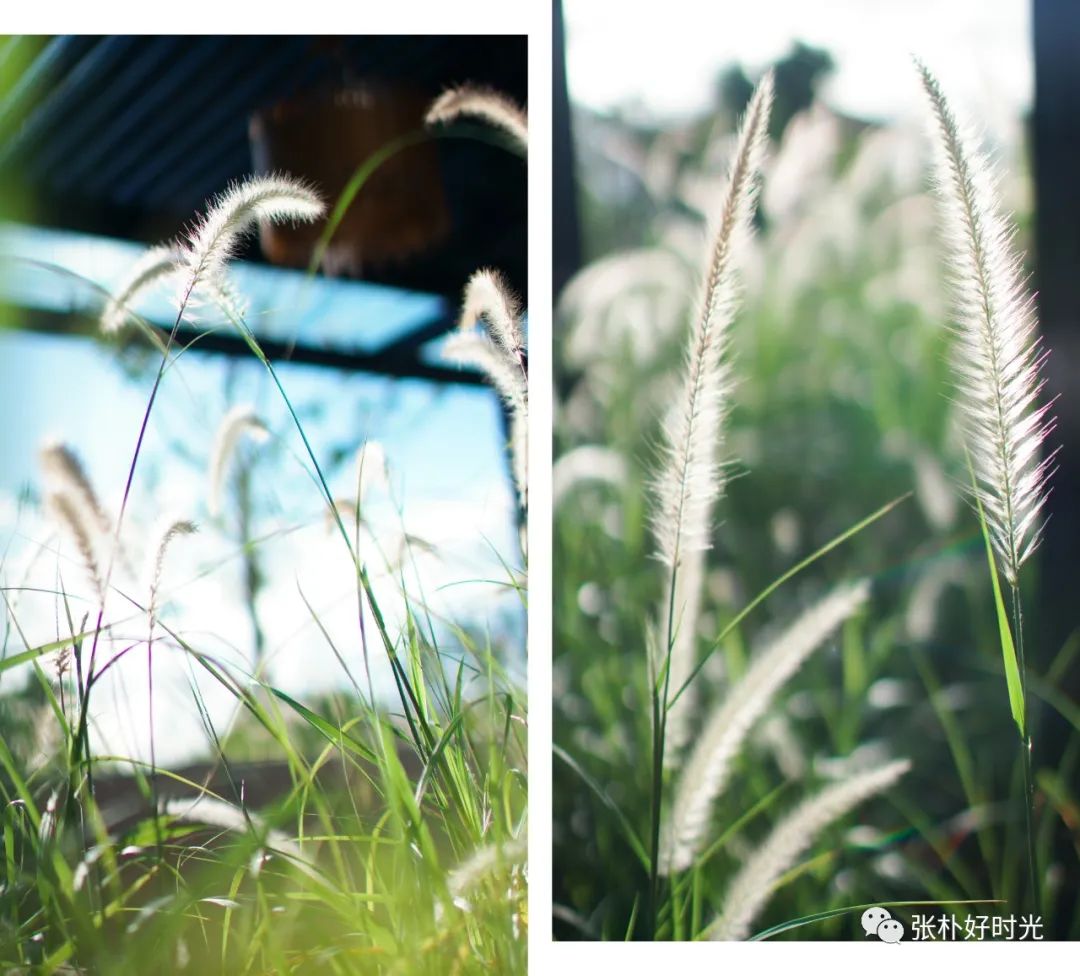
155 265
752 886
64 473
690 476
484 103
499 350
73 521
207 248
201 260
499 353
996 374
706 772
362 873
241 421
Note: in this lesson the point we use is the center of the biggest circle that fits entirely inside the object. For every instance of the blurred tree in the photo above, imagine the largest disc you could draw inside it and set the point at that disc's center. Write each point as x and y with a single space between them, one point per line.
619 192
733 91
798 75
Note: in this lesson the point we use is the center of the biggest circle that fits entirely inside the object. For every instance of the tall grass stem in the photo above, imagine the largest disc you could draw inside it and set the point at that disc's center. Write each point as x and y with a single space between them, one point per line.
1026 746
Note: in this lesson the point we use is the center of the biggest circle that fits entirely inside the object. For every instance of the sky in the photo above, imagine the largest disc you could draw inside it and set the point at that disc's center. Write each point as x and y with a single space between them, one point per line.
665 63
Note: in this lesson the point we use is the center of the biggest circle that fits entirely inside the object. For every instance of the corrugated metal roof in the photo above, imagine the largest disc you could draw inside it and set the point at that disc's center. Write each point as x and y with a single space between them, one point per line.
128 136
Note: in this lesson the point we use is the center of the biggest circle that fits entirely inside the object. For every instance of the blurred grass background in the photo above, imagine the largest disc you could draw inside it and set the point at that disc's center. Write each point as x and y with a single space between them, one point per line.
840 405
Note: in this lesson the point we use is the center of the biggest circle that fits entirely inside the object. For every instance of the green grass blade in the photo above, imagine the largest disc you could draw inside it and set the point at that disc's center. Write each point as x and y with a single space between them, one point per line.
41 650
1008 649
635 843
327 729
367 169
782 579
360 176
822 916
434 759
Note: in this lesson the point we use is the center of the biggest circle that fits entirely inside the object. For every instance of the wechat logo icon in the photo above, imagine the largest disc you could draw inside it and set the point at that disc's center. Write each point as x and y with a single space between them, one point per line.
878 922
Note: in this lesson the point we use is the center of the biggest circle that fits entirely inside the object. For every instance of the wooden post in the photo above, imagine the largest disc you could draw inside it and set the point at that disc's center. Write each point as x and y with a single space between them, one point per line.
1056 149
565 231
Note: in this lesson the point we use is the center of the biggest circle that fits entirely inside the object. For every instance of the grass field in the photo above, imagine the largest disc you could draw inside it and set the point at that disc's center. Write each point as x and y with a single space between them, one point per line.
378 827
841 425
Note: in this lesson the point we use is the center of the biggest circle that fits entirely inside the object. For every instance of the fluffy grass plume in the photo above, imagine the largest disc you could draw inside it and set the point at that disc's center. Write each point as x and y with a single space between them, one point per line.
172 530
488 297
482 103
372 471
74 504
240 420
502 362
690 477
709 765
753 885
474 349
72 519
235 212
589 462
205 809
199 259
483 863
64 474
155 265
997 356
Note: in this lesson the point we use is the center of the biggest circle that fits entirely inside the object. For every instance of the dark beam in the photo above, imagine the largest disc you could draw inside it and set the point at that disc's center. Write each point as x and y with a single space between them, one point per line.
412 341
401 364
565 233
1056 149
